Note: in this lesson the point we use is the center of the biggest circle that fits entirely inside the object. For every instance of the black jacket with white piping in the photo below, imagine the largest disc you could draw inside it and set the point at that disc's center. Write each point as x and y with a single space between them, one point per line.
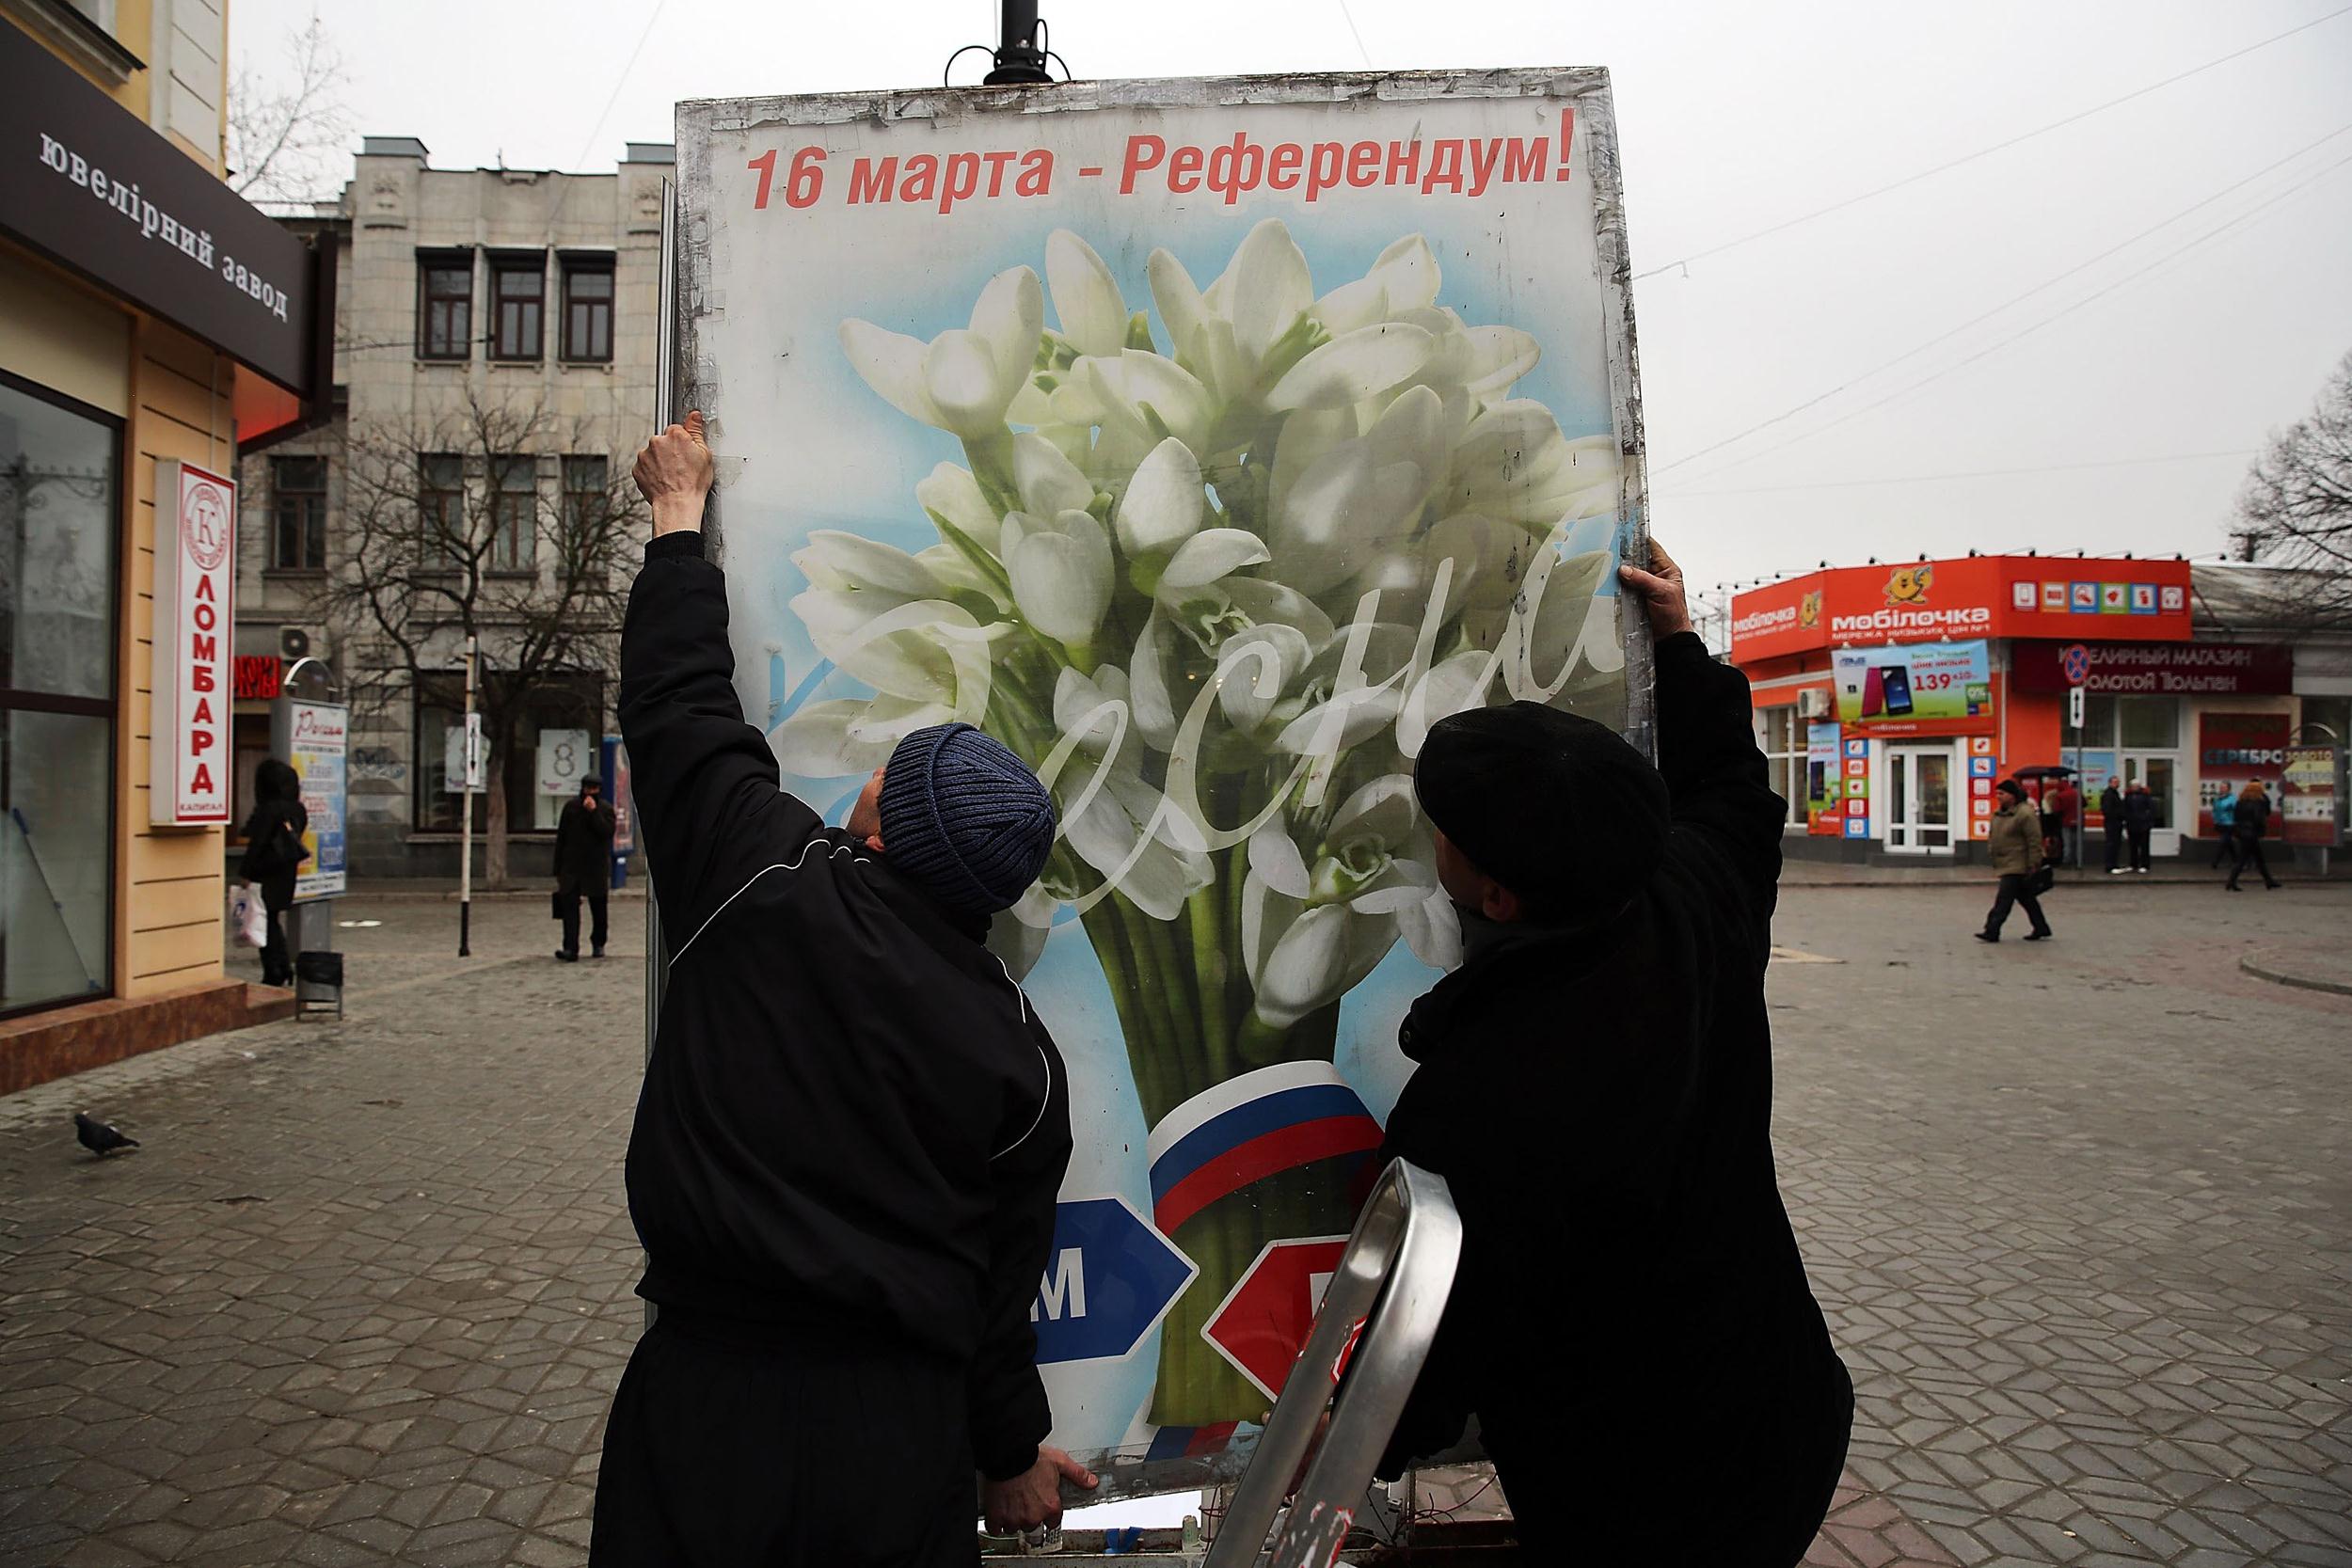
853 1119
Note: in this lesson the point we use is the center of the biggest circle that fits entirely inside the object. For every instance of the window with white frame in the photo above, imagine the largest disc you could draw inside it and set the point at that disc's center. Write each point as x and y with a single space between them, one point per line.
1782 737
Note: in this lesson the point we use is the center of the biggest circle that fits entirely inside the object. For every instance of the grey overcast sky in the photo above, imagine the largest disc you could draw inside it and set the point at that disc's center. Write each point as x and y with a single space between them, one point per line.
2189 252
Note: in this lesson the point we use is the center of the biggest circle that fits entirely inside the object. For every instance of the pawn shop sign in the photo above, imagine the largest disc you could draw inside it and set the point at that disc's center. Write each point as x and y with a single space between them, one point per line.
1261 1325
195 576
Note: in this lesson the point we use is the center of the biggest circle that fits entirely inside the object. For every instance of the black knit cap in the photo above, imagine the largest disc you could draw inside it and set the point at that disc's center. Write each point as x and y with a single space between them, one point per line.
965 818
1555 807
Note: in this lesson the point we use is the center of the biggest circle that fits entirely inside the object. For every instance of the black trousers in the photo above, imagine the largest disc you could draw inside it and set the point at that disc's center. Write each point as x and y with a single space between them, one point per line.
276 963
2114 837
741 1446
1764 1507
2250 852
2139 847
2016 888
595 892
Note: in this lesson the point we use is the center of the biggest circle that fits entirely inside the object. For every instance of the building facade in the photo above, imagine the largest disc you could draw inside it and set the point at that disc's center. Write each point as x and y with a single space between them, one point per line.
494 375
152 326
1891 698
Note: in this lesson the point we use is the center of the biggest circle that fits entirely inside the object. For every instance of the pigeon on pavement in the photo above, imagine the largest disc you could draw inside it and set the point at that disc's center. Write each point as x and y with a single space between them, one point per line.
99 1137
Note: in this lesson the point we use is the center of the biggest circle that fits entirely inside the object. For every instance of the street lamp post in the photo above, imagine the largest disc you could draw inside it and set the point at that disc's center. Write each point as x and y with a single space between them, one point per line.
1019 60
465 810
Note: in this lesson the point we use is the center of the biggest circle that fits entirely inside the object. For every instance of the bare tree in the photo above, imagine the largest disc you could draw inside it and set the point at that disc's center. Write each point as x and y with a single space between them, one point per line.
453 532
2296 502
289 139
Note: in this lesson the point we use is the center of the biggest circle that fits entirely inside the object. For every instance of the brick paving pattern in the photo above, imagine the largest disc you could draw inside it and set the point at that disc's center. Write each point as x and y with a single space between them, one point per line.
2081 1214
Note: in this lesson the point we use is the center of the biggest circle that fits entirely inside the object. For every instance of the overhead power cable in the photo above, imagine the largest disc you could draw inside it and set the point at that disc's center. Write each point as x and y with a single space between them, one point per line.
2161 262
1786 224
1960 473
2013 300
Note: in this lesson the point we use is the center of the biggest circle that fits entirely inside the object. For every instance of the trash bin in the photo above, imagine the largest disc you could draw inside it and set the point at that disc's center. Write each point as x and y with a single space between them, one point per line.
318 983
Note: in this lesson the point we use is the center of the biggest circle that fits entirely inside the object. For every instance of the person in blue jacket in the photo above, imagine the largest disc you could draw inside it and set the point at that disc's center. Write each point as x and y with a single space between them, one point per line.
2225 825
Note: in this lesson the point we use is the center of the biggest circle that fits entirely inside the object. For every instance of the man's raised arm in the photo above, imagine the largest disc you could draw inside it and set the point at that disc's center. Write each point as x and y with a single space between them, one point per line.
705 781
1716 776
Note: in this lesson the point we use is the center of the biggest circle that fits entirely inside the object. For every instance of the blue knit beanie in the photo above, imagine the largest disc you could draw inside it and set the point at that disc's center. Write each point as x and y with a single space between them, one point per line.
965 817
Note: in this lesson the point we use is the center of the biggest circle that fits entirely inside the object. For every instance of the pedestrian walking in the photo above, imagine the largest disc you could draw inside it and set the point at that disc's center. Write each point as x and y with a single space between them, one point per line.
2253 821
2225 829
2111 824
2014 843
2139 822
583 865
850 1134
1629 1143
274 854
2066 800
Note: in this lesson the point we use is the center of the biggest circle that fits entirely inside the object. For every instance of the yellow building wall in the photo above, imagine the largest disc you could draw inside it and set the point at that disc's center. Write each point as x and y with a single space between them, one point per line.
169 882
198 60
63 335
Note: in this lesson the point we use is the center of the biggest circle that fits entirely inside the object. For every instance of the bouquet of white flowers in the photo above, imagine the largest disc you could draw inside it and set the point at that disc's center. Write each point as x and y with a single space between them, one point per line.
1215 584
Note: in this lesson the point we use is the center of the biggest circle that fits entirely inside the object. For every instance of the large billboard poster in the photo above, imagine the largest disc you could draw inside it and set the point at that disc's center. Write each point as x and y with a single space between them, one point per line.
1204 441
1923 688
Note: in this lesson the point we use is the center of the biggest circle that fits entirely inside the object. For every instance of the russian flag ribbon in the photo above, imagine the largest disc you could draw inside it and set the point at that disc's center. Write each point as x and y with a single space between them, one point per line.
1248 1128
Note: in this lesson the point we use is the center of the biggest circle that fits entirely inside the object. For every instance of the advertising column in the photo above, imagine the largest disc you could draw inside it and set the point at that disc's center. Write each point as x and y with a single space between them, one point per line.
2311 782
313 737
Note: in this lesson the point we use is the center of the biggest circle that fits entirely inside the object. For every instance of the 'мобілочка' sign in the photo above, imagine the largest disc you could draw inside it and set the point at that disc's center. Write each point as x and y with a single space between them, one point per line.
195 564
1990 597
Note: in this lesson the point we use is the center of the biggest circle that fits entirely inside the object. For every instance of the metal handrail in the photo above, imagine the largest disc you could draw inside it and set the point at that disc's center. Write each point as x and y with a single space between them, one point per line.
1378 1317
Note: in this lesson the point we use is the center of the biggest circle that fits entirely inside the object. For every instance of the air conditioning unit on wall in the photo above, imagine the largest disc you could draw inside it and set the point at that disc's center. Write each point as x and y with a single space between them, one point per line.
1812 705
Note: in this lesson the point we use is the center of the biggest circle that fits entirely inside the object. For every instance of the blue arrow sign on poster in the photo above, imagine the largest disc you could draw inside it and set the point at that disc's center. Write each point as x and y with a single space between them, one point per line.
1108 1281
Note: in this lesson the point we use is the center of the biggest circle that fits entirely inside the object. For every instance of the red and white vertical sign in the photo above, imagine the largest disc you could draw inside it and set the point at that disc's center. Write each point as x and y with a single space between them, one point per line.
196 571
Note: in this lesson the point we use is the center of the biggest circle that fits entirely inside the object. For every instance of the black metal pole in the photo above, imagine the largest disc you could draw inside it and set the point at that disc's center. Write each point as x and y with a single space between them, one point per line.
1018 57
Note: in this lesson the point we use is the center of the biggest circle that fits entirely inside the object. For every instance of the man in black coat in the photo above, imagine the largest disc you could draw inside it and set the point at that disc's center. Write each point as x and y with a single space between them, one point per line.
1631 1322
851 1135
584 864
2140 820
2111 814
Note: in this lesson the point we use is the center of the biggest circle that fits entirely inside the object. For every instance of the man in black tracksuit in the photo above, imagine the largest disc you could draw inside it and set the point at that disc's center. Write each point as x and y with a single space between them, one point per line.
850 1134
583 865
1631 1322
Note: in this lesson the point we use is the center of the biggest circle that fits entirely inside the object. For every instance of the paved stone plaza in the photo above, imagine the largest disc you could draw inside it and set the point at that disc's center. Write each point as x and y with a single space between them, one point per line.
2081 1214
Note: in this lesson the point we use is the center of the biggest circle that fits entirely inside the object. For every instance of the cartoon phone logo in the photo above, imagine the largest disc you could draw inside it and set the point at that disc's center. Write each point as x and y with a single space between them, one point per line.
1909 584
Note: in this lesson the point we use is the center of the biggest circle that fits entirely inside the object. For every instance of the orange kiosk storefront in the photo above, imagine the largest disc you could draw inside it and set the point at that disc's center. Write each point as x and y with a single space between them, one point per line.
1891 698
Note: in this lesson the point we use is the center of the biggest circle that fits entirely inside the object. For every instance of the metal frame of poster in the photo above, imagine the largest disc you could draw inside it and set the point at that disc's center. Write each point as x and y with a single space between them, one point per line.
314 738
1204 441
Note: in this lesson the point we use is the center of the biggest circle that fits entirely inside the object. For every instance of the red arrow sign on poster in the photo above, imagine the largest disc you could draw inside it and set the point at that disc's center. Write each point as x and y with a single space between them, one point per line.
1261 1323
